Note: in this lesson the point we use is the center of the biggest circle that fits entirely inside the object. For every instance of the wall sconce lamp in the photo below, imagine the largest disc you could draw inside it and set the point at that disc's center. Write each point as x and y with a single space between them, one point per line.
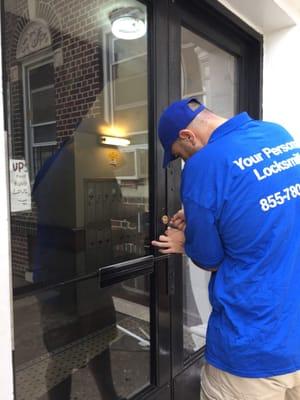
128 23
114 141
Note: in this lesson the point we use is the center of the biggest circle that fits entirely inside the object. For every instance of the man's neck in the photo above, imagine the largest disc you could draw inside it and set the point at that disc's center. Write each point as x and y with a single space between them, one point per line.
209 125
216 122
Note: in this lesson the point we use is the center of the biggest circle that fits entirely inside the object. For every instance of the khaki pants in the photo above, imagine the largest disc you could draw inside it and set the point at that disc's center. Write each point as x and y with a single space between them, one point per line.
220 385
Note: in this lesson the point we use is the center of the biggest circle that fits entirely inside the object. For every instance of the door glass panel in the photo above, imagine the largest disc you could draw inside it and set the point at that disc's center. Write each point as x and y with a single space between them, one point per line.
210 74
79 196
134 118
130 68
124 94
83 174
79 342
124 49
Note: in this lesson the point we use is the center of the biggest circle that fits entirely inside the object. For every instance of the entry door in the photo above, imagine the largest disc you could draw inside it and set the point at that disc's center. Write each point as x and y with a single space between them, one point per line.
91 297
215 58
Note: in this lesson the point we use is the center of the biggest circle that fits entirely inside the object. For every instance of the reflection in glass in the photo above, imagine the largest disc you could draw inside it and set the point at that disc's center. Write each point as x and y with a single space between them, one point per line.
81 342
39 102
41 76
208 73
43 106
71 82
44 134
90 200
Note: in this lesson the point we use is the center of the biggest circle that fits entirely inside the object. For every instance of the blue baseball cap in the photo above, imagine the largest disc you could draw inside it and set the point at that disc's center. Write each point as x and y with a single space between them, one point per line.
173 119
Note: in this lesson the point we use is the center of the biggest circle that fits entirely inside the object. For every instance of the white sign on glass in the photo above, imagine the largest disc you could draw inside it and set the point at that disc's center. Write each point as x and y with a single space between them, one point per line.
20 192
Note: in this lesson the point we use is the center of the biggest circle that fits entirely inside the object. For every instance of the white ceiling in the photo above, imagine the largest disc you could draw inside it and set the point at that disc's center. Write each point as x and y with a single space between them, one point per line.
266 15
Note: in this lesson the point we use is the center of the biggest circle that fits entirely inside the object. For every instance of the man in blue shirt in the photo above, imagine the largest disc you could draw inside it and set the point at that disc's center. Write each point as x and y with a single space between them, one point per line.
240 191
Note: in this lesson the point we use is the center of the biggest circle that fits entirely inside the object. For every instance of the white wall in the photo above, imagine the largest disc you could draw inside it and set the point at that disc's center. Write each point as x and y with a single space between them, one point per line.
265 15
281 82
279 22
6 375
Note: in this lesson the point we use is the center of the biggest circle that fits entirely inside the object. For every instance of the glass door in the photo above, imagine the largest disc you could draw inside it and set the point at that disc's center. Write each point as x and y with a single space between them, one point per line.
88 291
215 58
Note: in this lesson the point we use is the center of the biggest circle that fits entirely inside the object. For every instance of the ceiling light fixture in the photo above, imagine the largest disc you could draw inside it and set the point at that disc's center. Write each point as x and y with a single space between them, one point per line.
128 23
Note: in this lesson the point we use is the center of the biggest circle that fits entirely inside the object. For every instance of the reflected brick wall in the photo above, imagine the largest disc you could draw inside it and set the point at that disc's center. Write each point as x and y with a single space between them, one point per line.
77 53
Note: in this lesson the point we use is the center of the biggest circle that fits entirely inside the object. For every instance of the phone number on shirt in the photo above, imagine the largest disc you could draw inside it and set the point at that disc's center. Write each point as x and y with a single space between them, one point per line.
279 198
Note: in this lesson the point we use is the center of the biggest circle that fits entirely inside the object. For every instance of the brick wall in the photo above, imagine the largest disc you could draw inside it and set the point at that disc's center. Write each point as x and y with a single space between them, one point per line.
19 248
78 81
76 32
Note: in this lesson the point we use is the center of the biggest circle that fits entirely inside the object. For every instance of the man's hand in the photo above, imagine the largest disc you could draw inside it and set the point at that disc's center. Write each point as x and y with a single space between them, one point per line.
178 220
171 242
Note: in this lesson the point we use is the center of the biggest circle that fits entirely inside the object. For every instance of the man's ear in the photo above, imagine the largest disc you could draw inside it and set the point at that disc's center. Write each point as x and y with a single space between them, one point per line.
186 134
